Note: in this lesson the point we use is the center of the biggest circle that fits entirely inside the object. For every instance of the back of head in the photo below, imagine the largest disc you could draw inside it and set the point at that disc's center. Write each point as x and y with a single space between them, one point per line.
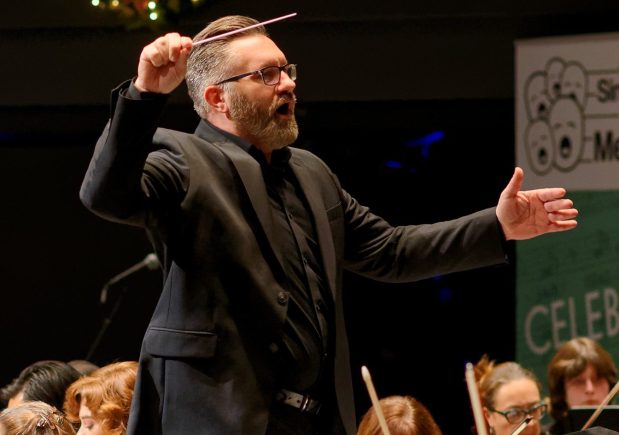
34 418
107 392
208 63
404 415
83 366
45 381
570 360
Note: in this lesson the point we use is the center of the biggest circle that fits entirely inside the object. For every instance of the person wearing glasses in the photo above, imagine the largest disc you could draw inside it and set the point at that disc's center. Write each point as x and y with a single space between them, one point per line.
509 394
581 373
248 336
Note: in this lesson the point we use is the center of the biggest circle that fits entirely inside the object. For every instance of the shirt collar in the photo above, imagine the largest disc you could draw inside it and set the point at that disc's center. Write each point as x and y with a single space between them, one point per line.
279 157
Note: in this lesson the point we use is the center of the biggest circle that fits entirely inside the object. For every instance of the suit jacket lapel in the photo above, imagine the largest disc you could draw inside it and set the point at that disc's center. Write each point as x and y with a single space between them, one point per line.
251 175
308 184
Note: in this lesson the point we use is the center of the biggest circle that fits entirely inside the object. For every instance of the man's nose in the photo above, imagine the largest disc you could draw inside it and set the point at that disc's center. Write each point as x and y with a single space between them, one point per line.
286 84
589 386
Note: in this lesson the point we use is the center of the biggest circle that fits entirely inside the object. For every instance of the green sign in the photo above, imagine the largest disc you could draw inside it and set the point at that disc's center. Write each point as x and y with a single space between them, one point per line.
567 284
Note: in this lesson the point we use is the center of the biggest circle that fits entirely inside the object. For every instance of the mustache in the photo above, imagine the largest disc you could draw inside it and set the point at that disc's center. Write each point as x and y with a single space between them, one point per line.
288 97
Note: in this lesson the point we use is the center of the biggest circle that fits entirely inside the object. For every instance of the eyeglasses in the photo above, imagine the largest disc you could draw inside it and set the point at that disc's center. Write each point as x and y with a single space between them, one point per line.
516 415
270 75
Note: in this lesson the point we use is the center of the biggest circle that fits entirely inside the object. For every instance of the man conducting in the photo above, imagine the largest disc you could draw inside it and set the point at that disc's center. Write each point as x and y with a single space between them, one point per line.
253 235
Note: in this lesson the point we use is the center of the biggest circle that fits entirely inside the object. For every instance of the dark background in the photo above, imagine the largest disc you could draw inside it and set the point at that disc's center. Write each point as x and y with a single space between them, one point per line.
411 104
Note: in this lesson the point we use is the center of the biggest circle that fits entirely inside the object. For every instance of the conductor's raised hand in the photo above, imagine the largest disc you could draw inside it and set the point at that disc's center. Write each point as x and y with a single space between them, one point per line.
526 214
163 64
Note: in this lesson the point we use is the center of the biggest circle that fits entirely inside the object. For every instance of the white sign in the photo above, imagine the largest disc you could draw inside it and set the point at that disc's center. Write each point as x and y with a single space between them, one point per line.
567 111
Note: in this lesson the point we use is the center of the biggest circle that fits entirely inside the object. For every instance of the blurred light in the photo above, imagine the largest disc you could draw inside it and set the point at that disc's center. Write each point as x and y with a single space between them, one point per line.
115 3
95 2
153 16
445 295
152 5
393 164
428 139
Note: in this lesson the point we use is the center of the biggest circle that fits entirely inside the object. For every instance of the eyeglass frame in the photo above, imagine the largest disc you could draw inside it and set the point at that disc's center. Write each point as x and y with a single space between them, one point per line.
293 66
529 411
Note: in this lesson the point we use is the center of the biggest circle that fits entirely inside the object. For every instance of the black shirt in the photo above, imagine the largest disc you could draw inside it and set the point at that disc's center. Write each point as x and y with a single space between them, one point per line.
305 347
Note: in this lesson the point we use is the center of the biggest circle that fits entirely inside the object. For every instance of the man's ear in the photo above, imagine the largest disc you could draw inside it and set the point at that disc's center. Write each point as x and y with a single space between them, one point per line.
214 97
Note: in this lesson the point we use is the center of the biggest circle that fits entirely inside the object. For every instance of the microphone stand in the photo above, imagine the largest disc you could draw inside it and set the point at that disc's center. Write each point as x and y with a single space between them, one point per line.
107 321
150 262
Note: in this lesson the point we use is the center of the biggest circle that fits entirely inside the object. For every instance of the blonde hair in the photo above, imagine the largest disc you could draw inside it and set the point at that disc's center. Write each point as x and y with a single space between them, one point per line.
491 377
35 418
208 63
107 392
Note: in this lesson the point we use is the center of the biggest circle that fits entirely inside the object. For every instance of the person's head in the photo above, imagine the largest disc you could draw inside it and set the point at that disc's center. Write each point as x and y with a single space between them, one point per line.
34 418
580 373
83 366
101 401
45 381
258 107
404 416
509 393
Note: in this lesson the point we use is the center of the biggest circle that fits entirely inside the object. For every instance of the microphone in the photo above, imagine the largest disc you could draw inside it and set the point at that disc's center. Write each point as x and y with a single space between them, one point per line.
150 262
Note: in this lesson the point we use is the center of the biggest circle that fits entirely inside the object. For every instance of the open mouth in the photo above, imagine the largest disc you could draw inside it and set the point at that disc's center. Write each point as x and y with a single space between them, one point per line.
285 109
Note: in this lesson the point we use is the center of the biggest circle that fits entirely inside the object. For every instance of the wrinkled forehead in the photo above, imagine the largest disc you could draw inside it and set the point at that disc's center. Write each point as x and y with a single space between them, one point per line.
253 52
521 393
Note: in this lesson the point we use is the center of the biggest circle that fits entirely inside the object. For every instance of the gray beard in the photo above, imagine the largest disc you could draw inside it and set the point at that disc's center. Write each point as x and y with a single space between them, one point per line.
262 124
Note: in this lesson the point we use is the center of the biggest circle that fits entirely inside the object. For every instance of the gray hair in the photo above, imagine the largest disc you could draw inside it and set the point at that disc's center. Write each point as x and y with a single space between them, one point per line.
208 63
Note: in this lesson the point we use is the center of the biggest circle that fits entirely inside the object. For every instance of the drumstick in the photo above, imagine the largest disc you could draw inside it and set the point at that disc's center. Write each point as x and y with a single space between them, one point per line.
600 408
480 423
232 32
522 425
379 412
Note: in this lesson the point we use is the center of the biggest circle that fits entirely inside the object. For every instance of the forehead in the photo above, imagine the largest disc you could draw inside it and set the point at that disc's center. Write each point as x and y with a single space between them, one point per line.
255 51
517 393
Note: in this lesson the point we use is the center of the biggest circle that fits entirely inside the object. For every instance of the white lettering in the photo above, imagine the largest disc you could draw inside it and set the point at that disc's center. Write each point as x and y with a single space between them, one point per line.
528 330
592 316
557 324
610 309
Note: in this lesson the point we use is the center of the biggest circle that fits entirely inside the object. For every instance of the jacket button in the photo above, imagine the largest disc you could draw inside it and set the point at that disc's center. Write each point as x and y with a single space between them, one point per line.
282 298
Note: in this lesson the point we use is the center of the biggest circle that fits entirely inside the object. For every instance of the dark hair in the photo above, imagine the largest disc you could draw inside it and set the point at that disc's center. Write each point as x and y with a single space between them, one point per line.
45 381
83 366
404 415
570 360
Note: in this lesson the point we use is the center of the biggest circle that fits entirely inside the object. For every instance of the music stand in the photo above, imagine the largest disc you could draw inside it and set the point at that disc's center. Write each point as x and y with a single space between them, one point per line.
608 418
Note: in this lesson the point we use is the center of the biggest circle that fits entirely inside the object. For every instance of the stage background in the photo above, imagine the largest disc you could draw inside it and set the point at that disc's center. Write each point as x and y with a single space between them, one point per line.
412 104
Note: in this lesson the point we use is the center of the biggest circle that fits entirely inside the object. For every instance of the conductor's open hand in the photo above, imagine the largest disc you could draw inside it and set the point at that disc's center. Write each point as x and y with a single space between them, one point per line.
529 213
163 63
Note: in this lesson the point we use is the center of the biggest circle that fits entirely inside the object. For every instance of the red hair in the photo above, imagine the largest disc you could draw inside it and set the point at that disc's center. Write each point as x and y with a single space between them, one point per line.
107 392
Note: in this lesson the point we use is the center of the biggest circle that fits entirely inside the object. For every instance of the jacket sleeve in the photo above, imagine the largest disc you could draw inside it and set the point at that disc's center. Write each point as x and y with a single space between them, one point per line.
380 251
130 168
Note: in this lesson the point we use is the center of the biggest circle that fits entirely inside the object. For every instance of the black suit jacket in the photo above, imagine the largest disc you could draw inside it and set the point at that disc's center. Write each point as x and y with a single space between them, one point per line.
206 364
